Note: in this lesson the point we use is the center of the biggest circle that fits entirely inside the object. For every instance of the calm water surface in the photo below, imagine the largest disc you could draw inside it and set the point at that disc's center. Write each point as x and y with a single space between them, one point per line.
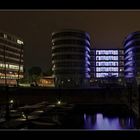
94 119
98 121
101 119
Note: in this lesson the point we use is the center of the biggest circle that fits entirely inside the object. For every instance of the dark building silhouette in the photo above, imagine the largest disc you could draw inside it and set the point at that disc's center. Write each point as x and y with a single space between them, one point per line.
11 59
71 58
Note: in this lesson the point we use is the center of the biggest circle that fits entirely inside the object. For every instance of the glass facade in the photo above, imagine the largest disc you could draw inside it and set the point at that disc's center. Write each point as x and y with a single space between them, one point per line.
131 56
106 69
106 52
11 59
101 75
71 58
107 62
108 58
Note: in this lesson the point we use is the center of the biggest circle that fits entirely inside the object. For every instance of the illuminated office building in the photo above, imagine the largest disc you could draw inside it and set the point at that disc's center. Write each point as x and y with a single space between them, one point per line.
132 57
71 58
11 59
107 63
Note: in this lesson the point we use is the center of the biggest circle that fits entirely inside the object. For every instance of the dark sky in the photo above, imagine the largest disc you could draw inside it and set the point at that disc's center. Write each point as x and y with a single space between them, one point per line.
107 29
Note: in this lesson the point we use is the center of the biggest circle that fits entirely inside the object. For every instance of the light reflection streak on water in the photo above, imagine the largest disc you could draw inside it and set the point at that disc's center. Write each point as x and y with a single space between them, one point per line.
100 122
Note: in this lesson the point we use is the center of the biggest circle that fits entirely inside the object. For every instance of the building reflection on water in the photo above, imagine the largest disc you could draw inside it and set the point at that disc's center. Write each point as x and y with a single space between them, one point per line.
100 122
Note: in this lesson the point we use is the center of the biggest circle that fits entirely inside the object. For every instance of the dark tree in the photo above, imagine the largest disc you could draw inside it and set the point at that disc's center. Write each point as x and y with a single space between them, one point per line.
49 72
35 73
35 70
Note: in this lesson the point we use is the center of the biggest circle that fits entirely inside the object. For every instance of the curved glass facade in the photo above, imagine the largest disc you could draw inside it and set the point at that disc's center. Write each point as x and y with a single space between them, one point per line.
132 55
71 58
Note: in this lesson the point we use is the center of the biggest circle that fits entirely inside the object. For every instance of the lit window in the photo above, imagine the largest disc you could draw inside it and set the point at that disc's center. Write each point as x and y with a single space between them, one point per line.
19 41
5 35
106 69
106 52
107 58
121 69
3 65
99 75
13 66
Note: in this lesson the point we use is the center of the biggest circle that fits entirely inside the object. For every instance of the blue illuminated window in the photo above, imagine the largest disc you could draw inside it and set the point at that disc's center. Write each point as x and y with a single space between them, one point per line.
107 58
99 75
106 63
107 69
106 52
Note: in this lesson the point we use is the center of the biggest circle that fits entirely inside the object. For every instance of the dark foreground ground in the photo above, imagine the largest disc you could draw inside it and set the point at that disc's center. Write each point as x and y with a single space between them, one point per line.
70 117
96 102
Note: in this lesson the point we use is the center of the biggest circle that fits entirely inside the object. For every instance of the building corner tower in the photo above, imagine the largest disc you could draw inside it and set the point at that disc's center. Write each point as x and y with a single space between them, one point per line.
71 58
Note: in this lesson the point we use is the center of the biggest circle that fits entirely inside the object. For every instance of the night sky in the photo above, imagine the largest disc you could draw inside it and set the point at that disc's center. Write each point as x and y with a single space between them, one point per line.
107 29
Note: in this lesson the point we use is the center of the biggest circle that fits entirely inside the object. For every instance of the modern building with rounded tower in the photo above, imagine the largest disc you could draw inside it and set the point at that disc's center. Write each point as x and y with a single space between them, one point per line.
132 57
11 59
71 58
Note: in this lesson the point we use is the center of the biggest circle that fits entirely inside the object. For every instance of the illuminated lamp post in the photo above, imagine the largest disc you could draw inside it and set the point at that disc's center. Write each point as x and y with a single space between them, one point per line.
59 96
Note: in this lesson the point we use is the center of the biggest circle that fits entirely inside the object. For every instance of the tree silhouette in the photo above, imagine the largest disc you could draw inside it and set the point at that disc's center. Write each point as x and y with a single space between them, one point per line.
35 73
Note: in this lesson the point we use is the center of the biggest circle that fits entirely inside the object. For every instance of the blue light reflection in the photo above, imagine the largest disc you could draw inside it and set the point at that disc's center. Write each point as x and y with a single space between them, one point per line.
100 122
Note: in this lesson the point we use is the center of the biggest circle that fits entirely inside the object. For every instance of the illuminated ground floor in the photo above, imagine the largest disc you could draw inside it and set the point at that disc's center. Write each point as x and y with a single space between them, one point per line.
9 73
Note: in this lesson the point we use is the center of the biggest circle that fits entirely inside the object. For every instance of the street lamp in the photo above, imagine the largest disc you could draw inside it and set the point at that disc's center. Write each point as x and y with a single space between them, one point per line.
11 101
58 102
